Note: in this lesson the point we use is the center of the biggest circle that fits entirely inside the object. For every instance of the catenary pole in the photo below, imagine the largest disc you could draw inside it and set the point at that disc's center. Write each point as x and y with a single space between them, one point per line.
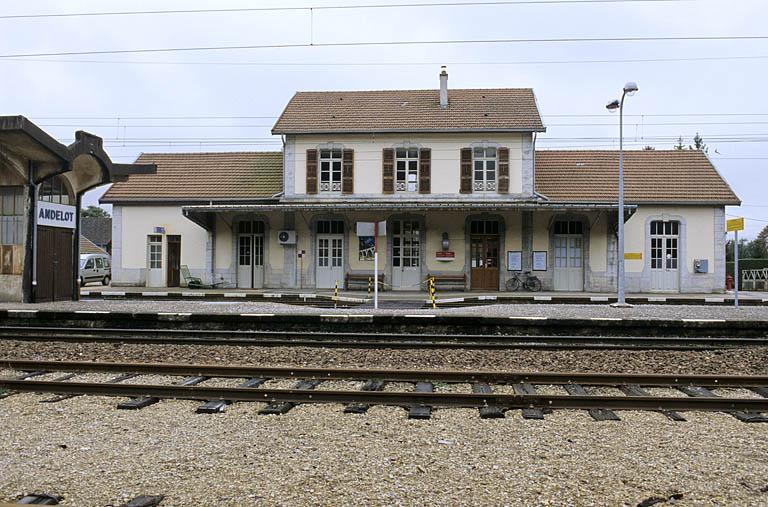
736 268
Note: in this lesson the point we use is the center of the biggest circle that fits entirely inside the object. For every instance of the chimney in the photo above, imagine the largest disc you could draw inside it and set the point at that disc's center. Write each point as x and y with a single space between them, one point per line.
443 87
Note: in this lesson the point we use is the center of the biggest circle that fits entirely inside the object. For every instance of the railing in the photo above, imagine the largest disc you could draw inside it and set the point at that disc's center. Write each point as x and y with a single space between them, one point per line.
754 279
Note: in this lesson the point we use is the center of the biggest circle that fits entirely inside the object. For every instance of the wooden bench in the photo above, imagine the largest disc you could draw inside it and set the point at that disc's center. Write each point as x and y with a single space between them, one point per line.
450 282
358 281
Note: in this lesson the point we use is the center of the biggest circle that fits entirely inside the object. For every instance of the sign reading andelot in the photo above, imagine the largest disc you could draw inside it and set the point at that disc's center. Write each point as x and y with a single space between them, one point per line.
56 215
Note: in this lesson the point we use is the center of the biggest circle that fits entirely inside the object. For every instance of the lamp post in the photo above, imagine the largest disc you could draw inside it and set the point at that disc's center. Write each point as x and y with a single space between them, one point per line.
629 89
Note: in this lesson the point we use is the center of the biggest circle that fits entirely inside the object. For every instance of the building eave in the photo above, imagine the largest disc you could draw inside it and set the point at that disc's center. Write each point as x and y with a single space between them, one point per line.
408 130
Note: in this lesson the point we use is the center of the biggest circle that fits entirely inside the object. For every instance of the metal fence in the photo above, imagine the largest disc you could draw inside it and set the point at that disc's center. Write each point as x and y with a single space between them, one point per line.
754 279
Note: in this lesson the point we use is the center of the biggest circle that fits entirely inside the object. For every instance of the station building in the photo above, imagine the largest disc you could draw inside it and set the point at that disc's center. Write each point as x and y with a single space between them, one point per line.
41 185
455 176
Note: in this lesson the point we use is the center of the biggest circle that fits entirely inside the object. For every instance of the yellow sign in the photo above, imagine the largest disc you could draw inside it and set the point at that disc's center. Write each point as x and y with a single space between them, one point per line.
734 224
633 256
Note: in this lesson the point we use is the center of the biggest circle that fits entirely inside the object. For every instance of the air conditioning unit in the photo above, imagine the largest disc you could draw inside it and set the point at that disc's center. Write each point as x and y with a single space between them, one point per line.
286 237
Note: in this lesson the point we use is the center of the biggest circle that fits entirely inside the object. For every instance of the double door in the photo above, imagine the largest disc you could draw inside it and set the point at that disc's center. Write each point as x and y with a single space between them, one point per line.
55 270
569 262
406 255
330 254
484 262
250 255
665 240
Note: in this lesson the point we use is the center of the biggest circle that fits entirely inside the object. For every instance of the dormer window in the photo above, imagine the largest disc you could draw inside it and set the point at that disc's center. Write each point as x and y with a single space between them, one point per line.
484 169
330 170
407 169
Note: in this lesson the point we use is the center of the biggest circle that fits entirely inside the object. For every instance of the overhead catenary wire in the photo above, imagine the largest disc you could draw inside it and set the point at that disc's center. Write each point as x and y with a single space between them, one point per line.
479 3
396 64
541 40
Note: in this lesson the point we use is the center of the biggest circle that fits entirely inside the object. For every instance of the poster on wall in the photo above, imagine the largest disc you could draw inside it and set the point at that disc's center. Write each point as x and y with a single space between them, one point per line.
365 248
540 261
515 260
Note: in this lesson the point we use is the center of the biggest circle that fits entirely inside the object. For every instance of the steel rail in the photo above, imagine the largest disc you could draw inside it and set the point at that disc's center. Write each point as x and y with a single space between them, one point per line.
509 401
458 376
368 340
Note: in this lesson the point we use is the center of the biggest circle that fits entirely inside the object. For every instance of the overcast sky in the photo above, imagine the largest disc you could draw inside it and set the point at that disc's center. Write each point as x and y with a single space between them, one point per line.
137 102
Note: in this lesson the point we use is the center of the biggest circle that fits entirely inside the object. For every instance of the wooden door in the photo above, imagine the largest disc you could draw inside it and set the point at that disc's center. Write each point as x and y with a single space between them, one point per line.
174 261
484 262
55 271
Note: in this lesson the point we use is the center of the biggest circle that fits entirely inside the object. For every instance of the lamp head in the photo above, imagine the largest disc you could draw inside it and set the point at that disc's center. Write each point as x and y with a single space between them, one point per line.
613 106
630 88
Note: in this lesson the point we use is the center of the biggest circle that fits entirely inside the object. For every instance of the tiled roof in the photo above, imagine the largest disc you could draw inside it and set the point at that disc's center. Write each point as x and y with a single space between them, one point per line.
679 176
410 111
89 247
201 177
96 229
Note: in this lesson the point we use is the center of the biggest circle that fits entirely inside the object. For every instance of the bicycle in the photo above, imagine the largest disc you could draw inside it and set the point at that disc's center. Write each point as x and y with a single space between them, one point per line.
531 282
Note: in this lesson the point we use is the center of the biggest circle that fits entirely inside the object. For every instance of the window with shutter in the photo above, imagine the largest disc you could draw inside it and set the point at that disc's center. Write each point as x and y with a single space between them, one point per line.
484 169
503 154
465 186
348 172
330 169
425 171
311 171
407 169
388 171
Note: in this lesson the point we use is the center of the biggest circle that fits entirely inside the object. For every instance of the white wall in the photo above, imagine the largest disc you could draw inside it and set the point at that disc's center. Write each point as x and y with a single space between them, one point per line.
134 223
445 158
699 240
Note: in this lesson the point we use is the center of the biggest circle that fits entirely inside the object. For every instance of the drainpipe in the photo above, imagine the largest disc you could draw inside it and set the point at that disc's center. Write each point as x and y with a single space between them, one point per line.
76 250
533 171
29 275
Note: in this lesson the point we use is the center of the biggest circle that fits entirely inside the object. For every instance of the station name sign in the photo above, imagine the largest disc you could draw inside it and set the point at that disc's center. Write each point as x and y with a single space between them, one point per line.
56 215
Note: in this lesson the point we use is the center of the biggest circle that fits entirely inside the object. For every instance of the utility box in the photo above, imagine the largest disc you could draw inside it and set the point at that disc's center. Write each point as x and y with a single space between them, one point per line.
701 265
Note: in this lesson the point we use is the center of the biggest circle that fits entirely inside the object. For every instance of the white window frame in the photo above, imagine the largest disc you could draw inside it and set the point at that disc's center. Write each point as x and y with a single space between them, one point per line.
331 165
155 251
404 185
485 184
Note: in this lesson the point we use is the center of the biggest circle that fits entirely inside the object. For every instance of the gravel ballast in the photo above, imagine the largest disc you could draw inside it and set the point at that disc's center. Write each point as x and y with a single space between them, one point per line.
752 360
93 454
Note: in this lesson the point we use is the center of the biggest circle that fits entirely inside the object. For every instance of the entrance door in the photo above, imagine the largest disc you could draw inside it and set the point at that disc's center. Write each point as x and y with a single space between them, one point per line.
330 254
484 254
250 255
569 256
174 261
665 239
55 276
406 255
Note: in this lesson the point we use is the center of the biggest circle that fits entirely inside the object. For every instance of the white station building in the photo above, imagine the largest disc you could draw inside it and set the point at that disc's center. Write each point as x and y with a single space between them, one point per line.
455 175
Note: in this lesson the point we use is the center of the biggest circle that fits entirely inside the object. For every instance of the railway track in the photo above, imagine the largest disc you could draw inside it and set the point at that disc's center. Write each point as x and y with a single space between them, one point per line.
282 338
490 390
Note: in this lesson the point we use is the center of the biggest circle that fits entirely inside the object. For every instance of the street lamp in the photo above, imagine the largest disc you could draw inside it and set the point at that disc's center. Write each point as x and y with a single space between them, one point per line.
629 89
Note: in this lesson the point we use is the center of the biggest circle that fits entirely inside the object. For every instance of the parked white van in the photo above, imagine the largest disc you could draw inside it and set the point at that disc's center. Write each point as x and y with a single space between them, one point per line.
95 268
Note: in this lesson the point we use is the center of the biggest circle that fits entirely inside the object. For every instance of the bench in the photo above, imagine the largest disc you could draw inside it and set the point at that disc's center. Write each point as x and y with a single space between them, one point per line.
450 282
358 281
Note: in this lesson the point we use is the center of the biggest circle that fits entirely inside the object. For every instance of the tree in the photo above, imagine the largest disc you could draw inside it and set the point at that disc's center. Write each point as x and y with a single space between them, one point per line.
648 148
94 212
759 246
680 145
698 144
